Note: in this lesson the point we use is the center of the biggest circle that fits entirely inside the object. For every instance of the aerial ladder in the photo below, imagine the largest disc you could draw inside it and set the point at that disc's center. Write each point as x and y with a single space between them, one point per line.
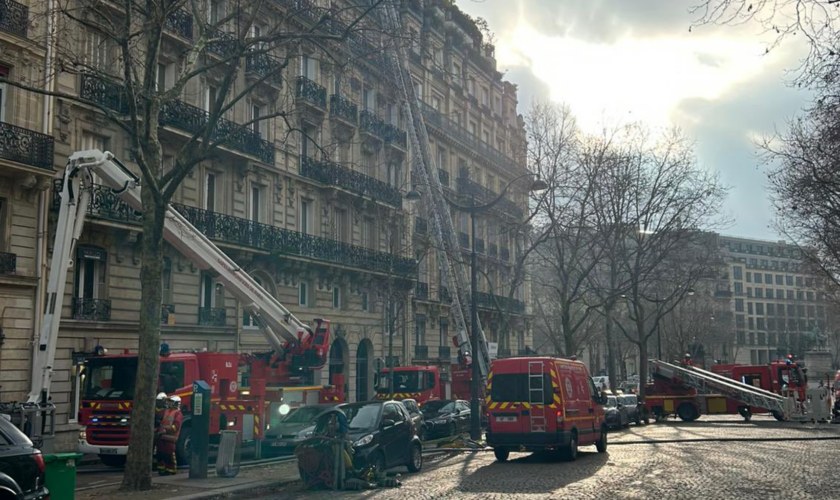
285 333
705 382
454 273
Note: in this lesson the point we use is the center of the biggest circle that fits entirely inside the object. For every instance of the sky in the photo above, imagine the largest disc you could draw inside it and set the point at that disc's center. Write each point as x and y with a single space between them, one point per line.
617 61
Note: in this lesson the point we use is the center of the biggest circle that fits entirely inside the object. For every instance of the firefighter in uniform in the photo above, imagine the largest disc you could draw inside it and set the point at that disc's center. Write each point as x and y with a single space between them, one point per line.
160 407
167 435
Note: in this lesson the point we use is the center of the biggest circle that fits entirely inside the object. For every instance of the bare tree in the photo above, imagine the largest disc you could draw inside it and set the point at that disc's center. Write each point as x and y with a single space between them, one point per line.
117 52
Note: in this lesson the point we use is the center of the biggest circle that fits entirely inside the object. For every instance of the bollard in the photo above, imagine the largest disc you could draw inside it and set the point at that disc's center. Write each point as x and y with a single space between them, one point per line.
200 428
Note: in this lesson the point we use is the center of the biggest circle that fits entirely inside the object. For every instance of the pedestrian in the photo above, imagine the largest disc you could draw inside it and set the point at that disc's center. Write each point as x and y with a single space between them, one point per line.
167 435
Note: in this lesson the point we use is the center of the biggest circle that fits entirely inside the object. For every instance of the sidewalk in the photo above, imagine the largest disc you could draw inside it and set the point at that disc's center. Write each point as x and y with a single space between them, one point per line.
181 487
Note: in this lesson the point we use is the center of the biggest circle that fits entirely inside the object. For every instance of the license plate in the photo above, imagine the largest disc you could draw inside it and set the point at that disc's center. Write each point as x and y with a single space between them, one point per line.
505 419
279 444
107 451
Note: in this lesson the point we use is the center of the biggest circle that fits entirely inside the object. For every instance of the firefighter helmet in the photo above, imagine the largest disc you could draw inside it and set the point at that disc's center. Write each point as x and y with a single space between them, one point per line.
161 396
175 401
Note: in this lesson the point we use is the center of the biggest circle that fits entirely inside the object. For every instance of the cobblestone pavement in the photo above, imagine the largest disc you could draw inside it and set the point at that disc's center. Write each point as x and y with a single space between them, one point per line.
707 470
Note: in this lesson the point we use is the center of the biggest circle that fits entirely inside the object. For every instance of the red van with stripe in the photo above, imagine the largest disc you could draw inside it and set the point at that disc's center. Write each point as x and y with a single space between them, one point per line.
542 403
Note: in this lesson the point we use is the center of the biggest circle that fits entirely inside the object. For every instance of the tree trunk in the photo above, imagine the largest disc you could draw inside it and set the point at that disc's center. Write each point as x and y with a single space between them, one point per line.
608 334
138 471
643 368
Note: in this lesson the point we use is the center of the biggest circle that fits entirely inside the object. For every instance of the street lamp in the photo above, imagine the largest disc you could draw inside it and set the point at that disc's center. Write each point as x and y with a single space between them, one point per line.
473 209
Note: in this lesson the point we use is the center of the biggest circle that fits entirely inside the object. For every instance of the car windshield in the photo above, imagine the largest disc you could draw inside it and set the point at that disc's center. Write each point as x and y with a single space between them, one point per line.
438 407
611 402
404 381
110 378
302 415
362 416
629 400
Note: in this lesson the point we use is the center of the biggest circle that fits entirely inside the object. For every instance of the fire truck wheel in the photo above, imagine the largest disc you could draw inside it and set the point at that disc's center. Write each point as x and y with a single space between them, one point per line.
113 460
687 412
601 445
183 448
570 452
415 461
501 454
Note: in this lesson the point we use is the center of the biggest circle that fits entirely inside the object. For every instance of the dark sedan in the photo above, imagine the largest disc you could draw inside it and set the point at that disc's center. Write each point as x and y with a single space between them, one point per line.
21 465
634 410
383 435
283 438
446 417
615 414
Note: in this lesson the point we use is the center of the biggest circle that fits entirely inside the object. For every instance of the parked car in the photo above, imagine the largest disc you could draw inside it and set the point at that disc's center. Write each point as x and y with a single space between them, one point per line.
416 417
446 417
615 414
634 410
602 382
21 465
283 437
383 435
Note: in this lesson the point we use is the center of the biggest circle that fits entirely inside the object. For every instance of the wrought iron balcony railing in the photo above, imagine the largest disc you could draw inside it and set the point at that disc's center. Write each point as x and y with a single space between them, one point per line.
222 44
103 204
193 119
492 250
344 108
91 309
421 291
310 91
166 310
212 316
180 22
443 175
490 301
469 187
464 240
421 352
277 240
421 225
479 245
444 353
14 17
8 263
459 133
26 146
333 174
259 65
184 117
505 254
395 136
371 124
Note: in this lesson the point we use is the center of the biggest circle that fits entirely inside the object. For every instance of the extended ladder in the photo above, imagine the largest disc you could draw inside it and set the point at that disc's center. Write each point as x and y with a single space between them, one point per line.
536 395
706 381
425 171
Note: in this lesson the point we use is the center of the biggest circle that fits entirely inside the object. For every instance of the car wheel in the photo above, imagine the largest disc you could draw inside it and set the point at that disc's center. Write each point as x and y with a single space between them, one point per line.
113 460
501 454
415 460
601 445
570 452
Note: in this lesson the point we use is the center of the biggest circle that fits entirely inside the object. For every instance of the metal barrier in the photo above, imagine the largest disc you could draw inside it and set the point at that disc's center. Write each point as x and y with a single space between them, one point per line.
229 458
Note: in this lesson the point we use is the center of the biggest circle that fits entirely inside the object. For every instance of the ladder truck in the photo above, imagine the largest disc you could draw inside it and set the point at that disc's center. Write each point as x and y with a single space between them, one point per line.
689 391
297 348
443 231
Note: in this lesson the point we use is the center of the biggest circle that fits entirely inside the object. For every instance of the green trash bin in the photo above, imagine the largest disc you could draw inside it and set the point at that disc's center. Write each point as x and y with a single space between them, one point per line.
60 474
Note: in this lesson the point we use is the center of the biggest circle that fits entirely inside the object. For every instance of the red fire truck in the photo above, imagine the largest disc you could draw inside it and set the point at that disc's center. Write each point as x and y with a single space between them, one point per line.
271 379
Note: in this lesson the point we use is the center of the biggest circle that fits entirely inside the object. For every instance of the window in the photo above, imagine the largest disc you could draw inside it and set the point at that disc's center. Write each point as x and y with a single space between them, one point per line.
418 89
485 97
420 329
369 234
757 277
307 142
749 307
210 95
799 281
741 338
256 203
473 129
303 294
306 223
780 294
257 125
210 191
780 279
160 85
800 295
340 230
90 278
442 163
759 324
308 67
444 332
436 102
739 289
336 297
789 280
737 272
790 294
98 50
749 277
759 309
365 302
215 12
486 137
369 99
771 309
768 278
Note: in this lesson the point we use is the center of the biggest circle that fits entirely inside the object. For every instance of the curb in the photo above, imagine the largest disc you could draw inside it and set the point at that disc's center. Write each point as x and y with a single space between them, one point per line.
230 490
727 440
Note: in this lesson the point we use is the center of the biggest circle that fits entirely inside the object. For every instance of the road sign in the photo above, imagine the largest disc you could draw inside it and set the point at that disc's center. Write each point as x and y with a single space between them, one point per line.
493 349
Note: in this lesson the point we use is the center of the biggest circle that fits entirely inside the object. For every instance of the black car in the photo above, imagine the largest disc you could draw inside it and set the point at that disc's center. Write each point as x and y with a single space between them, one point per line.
383 435
21 465
446 417
416 417
634 411
615 414
283 437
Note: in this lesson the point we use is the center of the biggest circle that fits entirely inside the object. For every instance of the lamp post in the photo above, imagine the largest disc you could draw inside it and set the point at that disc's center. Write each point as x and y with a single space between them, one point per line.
473 209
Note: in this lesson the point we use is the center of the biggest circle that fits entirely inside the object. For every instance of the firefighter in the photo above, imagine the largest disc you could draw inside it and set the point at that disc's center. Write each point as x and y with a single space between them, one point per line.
167 435
160 407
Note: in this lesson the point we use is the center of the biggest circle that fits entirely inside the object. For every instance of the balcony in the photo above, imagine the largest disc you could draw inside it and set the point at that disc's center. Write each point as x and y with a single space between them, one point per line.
26 146
180 22
212 316
496 302
483 195
505 253
166 311
275 240
457 132
344 109
333 174
421 291
229 134
493 250
103 204
8 263
444 295
421 352
464 240
260 65
311 92
371 124
421 225
222 44
479 245
396 137
443 175
14 18
444 353
91 309
182 116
